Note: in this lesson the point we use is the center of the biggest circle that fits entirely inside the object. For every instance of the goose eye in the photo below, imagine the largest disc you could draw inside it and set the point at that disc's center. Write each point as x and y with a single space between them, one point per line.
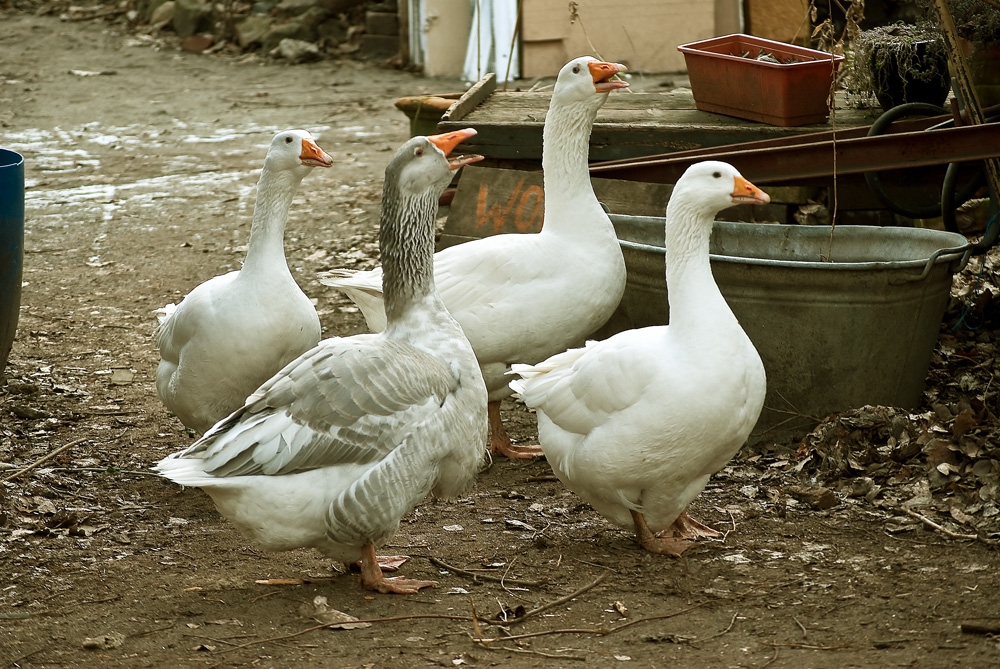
716 174
419 151
576 69
288 140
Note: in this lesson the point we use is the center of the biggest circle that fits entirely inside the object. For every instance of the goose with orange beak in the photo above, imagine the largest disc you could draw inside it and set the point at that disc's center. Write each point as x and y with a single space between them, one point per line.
636 424
232 332
331 452
523 297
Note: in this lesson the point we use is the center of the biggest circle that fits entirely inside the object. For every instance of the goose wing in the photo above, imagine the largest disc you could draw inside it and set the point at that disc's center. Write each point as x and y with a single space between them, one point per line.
346 401
581 389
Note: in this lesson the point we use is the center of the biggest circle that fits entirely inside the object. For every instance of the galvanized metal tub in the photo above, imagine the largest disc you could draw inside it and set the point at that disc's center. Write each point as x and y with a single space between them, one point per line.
857 329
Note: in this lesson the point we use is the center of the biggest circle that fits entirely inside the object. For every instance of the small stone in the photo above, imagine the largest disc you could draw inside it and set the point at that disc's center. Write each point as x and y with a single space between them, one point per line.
105 642
193 44
296 51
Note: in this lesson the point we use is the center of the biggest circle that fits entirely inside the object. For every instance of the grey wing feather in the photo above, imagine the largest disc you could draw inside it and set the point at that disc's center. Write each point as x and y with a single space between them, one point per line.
345 401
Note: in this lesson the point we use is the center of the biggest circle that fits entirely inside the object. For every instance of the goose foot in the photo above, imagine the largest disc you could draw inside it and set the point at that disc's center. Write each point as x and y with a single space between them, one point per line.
499 441
372 578
385 563
654 543
687 527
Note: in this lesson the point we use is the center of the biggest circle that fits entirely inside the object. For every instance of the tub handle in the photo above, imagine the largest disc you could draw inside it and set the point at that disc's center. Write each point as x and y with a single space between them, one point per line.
965 250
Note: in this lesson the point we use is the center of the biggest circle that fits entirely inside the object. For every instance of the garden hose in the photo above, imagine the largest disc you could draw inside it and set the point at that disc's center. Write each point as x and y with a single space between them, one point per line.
951 175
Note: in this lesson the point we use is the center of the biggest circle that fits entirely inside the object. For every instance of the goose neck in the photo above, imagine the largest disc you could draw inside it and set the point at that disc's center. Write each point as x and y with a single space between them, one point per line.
691 288
406 238
266 247
566 153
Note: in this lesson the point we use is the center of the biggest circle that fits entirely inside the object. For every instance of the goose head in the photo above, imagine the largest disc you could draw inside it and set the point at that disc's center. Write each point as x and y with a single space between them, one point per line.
422 165
297 151
709 187
588 79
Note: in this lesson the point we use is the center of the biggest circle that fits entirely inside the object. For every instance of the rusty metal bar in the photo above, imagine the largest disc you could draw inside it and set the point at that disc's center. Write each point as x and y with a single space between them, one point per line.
704 152
786 162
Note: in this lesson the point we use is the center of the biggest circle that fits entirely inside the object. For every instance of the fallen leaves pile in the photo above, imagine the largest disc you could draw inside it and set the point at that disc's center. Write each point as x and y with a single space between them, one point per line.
941 459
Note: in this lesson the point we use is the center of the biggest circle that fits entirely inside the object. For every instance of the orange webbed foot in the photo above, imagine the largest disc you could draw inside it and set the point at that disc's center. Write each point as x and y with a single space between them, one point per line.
373 579
687 527
672 546
500 443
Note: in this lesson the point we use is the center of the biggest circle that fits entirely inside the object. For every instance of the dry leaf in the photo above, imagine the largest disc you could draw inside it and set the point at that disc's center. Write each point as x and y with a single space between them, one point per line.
817 497
321 612
964 422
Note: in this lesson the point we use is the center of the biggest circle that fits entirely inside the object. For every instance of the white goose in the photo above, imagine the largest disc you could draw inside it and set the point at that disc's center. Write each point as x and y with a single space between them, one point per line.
524 297
636 424
333 450
231 333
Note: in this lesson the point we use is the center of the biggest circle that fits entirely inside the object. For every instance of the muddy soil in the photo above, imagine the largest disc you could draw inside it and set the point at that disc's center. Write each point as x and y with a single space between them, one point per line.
141 162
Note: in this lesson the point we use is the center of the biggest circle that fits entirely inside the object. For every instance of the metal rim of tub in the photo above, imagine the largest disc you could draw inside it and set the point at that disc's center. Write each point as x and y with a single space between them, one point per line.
948 254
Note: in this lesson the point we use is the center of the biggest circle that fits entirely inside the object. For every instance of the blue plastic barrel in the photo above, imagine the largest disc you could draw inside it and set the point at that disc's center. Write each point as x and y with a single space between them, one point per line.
11 247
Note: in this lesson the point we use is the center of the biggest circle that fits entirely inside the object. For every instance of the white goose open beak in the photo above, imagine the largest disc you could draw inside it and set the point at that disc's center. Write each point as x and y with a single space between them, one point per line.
745 192
447 143
602 73
313 156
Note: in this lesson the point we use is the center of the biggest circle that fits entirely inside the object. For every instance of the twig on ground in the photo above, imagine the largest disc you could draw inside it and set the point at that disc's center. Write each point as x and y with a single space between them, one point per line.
804 646
314 628
597 631
213 639
975 628
265 595
507 571
731 624
592 564
485 577
930 523
772 660
603 631
529 651
475 619
562 600
46 458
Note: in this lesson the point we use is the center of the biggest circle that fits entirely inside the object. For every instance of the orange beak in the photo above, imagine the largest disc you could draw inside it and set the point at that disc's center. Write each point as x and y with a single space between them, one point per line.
313 156
602 73
447 143
745 192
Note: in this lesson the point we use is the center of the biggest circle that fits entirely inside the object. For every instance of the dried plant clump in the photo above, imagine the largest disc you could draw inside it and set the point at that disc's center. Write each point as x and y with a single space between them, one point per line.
882 56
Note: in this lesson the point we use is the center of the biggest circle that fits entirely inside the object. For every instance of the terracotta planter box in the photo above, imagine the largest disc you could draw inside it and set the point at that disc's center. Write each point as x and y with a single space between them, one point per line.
726 78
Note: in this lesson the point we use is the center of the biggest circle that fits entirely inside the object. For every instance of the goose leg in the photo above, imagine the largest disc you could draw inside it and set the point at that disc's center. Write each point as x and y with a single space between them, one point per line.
653 543
372 578
385 563
687 527
500 442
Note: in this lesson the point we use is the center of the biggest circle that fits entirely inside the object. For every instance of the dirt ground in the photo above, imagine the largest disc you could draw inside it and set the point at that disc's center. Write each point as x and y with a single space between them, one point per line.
141 162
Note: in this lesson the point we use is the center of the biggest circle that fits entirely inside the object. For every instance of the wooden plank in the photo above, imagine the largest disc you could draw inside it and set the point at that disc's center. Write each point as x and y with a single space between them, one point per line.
780 20
629 125
544 20
541 59
492 201
644 108
473 97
